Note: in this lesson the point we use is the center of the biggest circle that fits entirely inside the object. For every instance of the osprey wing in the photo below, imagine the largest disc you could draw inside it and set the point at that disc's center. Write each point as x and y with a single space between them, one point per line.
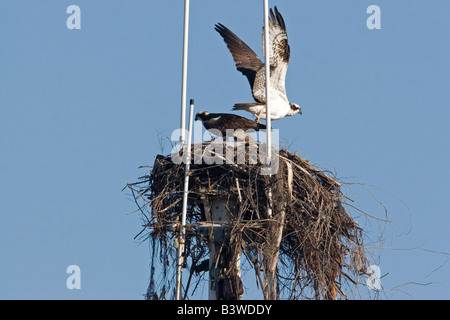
245 58
278 39
280 50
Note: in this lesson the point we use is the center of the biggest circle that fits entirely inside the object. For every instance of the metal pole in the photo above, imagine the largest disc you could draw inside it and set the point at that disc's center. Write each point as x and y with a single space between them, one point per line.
187 151
269 280
184 73
218 211
180 249
267 79
219 218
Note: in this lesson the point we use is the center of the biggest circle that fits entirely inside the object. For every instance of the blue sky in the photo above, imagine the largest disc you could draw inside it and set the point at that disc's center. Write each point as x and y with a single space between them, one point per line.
81 110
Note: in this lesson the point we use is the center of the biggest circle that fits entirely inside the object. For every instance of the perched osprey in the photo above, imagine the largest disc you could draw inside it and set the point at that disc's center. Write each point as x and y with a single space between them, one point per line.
253 68
224 121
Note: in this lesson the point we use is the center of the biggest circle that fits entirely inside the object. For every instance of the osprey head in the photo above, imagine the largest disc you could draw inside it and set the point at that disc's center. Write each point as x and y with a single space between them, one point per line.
201 115
295 108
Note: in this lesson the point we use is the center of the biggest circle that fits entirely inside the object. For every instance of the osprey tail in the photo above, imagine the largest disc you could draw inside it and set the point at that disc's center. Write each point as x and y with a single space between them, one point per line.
258 109
248 106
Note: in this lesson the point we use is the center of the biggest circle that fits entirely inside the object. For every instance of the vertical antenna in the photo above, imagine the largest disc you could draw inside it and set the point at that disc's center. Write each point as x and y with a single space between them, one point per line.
267 81
267 76
269 280
187 152
180 249
184 74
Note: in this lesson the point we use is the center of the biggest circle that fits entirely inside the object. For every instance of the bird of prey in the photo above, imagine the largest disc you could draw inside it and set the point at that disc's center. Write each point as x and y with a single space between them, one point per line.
224 121
253 68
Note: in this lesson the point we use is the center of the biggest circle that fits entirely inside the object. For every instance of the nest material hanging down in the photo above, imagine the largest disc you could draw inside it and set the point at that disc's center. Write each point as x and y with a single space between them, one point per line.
311 244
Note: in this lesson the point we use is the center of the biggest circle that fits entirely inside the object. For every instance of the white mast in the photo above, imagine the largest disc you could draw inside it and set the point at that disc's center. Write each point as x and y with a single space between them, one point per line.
267 82
187 148
180 249
267 76
184 72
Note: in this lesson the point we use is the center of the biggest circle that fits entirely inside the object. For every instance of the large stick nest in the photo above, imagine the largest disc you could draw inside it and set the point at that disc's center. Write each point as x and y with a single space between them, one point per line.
320 252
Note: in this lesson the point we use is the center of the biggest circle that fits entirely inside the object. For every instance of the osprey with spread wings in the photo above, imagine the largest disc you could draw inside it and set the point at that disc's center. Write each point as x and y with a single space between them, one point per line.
253 68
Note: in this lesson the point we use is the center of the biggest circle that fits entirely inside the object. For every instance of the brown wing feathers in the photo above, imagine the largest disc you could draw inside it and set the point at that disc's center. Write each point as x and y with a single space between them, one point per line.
279 18
245 58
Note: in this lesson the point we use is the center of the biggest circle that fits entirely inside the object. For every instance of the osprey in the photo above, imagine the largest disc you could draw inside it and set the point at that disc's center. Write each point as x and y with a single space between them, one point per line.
224 121
253 68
